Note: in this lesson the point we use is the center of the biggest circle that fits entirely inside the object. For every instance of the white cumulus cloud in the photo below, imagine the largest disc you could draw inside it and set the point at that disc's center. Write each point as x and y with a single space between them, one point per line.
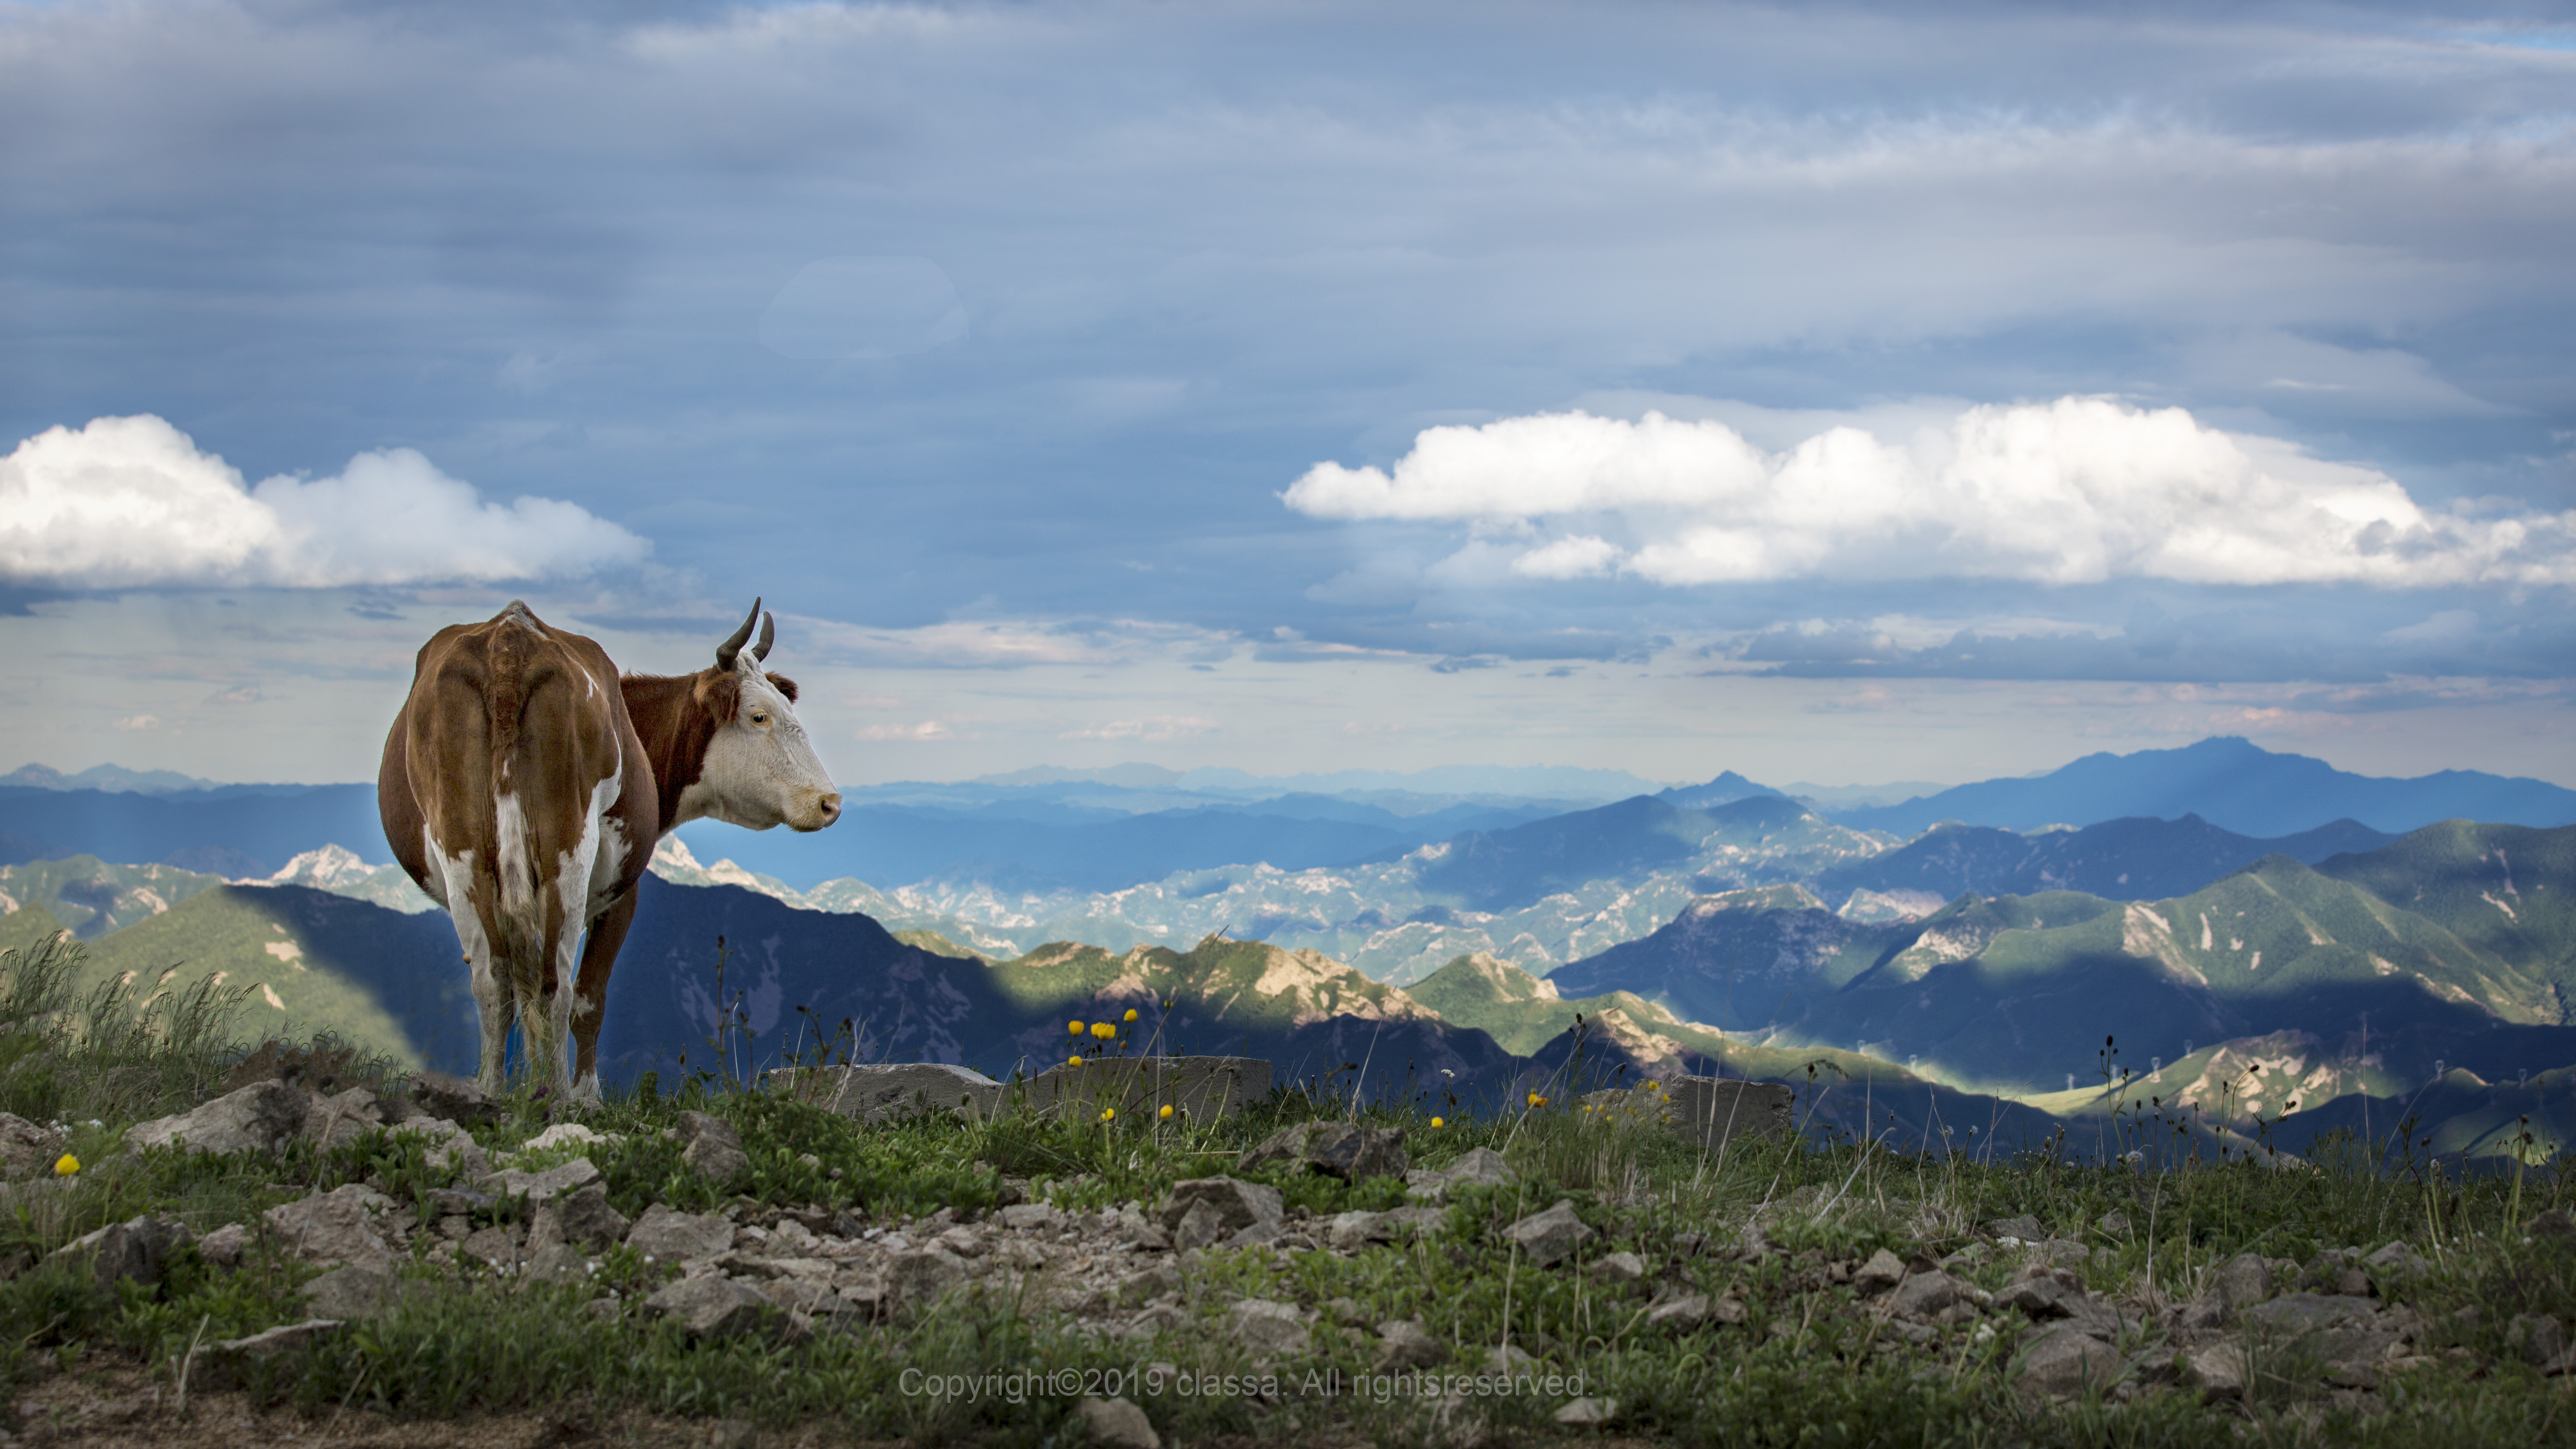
131 502
2075 491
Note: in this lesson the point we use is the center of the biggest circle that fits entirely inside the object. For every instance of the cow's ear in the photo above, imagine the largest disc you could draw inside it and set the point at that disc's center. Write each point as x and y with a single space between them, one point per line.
784 685
719 693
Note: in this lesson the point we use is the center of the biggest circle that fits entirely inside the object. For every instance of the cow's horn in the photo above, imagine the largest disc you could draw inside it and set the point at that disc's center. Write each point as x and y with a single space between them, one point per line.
768 636
731 647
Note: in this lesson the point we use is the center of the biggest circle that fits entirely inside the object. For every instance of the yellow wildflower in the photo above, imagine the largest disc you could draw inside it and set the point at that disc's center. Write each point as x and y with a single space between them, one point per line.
1074 1060
1167 1112
1103 1030
66 1165
1108 1114
1073 1028
1536 1100
1436 1122
1131 1013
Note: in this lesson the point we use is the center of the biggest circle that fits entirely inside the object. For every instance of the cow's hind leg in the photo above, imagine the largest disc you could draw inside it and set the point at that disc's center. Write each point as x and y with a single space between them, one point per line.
590 1005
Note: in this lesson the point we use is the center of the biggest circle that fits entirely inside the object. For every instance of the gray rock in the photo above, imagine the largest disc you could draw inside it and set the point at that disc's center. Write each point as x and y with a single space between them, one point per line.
1686 1314
1034 1217
1345 1150
1710 1112
334 1121
2346 1335
2066 1361
450 1145
2241 1282
1115 1424
2113 1224
225 1246
1198 1089
2218 1370
27 1150
1236 1205
232 1363
1404 1344
1201 1225
710 1145
672 1236
544 1186
497 1246
2392 1266
458 1201
261 1117
2555 1224
437 1094
349 1292
136 1248
1620 1268
1508 1360
919 1277
1587 1413
1548 1236
2025 1228
556 1263
348 1224
1477 1167
712 1307
581 1218
2538 1337
891 1092
1147 1284
1883 1271
1922 1295
1267 1327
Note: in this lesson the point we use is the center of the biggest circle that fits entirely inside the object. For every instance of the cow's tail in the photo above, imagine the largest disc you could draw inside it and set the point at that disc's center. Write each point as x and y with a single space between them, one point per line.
505 703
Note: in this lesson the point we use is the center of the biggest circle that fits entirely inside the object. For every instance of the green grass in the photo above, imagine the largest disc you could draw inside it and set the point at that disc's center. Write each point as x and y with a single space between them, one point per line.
1809 1366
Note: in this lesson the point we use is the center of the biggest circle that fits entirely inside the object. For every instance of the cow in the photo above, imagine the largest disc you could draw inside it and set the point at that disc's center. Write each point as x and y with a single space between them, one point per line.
525 783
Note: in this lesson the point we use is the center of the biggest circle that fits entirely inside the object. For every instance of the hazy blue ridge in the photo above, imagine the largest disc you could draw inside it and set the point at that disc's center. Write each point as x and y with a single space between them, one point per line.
2141 859
2233 784
235 831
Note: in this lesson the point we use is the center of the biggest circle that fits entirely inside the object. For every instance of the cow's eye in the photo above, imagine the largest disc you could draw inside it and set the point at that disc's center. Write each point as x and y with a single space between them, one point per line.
760 717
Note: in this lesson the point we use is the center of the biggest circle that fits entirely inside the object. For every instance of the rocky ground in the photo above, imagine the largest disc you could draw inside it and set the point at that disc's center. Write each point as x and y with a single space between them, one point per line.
1602 1311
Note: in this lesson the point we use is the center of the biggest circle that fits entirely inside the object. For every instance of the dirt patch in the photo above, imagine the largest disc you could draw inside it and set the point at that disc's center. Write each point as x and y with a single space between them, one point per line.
124 1407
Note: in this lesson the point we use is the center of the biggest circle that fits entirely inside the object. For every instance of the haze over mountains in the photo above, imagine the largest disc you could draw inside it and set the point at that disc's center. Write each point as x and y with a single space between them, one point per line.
1718 927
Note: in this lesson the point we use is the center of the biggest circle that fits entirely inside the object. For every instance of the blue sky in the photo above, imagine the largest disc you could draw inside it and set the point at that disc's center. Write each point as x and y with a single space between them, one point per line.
1829 393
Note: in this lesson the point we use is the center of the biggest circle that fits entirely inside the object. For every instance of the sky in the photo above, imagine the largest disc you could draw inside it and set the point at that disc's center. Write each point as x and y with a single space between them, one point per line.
1830 393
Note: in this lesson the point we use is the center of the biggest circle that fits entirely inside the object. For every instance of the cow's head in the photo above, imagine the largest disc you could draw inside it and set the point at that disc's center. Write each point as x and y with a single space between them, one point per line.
760 769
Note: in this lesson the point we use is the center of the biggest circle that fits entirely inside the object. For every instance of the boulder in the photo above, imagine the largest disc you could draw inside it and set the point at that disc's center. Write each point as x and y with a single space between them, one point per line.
1686 1314
1548 1236
261 1117
232 1363
1345 1150
569 1134
337 1120
710 1145
450 1146
1711 1112
27 1150
1922 1295
1232 1205
1404 1344
136 1248
2023 1229
1619 1268
349 1292
348 1224
2241 1282
1198 1089
919 1277
2539 1338
439 1095
1477 1167
2347 1336
713 1307
225 1245
538 1187
1115 1424
2066 1361
2218 1370
1587 1413
2392 1266
886 1093
1883 1271
671 1236
1267 1327
583 1219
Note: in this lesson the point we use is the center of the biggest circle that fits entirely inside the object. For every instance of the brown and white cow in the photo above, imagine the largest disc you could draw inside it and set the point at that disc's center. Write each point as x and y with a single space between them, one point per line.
524 786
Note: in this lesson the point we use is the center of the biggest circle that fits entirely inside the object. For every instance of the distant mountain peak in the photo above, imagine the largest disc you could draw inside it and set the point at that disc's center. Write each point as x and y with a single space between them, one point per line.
114 779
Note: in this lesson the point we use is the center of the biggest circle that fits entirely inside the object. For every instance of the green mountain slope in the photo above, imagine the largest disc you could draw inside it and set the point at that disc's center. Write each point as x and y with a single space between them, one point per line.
93 897
2508 890
311 961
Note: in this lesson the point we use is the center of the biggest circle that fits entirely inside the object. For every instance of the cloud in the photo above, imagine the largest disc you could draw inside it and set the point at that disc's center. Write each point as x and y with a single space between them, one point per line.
129 502
138 722
1012 643
1153 728
929 729
2081 490
238 694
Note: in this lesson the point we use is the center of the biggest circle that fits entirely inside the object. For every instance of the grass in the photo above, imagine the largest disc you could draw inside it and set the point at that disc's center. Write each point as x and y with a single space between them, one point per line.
1810 1365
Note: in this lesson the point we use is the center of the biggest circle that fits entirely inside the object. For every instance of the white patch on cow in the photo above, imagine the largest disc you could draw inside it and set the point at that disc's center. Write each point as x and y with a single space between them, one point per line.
578 876
760 768
510 856
454 877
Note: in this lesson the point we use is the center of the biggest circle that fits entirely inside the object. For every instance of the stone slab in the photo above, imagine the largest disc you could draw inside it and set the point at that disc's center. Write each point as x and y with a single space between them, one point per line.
881 1093
1197 1089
